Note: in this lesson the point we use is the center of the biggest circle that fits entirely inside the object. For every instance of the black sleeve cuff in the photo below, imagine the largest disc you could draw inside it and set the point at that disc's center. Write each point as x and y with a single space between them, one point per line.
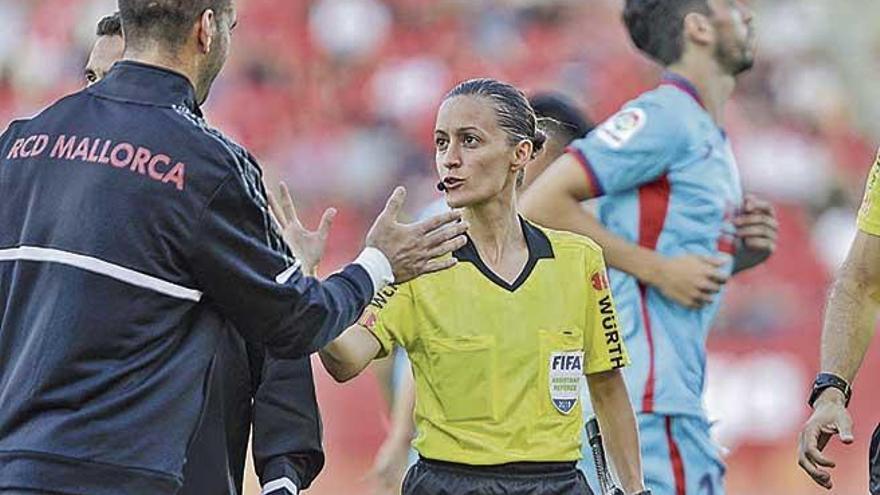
281 477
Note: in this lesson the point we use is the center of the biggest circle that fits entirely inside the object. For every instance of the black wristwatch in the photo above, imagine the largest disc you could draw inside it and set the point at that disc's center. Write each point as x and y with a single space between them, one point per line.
829 380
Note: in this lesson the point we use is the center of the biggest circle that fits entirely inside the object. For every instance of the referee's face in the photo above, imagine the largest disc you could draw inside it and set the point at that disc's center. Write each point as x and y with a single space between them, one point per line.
473 154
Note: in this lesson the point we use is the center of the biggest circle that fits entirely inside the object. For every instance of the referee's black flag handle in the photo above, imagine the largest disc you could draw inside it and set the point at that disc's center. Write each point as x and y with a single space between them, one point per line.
594 438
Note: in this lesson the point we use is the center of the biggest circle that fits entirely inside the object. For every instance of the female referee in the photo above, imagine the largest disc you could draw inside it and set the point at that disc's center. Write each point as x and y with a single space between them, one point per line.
500 341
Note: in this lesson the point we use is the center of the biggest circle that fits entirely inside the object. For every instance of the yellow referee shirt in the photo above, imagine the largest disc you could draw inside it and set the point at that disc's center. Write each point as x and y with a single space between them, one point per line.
498 366
869 213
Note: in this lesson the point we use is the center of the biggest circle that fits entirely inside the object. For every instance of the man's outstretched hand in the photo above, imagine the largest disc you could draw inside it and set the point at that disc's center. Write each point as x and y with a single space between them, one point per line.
414 249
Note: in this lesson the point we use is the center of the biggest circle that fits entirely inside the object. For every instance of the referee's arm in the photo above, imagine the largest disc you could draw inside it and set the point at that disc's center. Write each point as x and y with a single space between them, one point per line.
848 329
347 356
617 420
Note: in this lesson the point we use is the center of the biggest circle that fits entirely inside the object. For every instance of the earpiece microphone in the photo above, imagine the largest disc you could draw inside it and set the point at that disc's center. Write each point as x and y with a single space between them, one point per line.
441 186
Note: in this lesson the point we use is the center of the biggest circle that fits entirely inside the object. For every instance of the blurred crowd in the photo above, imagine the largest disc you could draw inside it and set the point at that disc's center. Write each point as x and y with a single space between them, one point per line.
337 97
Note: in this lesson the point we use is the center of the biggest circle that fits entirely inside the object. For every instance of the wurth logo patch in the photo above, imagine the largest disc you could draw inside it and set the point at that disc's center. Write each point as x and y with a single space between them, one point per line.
612 334
599 281
384 296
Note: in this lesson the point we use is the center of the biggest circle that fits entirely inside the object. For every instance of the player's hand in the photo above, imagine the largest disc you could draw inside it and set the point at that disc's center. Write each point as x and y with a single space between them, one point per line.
691 280
390 464
757 227
413 249
829 418
307 245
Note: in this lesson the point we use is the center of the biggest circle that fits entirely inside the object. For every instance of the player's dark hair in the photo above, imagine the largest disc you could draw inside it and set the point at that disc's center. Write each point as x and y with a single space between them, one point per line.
164 21
110 25
657 26
513 110
560 117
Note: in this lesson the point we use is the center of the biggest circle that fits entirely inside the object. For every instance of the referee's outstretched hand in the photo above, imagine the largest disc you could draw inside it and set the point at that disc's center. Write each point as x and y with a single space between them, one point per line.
414 249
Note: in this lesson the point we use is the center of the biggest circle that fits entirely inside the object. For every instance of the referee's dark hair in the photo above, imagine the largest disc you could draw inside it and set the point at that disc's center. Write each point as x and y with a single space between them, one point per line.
110 25
560 117
657 26
164 21
515 114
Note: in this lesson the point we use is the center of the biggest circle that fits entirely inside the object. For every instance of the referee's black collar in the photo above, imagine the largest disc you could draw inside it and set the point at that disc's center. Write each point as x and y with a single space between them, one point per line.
147 84
539 248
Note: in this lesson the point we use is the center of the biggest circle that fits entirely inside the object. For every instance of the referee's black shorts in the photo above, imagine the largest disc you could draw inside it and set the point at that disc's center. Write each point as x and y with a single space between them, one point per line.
874 462
429 477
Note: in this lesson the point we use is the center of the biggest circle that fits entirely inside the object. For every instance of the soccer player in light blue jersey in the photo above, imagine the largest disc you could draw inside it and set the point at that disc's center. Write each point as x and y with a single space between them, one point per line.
673 221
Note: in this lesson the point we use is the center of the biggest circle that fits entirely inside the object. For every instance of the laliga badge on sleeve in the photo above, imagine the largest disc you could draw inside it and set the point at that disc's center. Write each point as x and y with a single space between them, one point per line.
621 127
566 370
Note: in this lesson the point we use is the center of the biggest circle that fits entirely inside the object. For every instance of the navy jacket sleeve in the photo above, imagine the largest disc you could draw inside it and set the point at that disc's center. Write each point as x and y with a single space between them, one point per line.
287 423
240 263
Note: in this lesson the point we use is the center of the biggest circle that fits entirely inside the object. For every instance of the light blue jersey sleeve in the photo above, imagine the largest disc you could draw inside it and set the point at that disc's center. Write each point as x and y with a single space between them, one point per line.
633 147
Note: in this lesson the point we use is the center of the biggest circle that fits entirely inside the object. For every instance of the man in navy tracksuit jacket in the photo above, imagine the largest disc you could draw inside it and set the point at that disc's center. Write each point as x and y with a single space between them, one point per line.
131 234
247 383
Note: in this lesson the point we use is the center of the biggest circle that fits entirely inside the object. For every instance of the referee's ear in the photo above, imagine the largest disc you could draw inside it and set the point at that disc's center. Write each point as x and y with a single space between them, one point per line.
522 155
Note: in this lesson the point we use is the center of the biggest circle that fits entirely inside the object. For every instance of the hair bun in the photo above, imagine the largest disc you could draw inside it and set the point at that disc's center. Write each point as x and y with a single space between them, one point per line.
539 141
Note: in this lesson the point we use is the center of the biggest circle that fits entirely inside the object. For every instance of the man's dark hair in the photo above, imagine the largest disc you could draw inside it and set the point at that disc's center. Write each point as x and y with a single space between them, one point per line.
165 21
110 25
657 26
560 116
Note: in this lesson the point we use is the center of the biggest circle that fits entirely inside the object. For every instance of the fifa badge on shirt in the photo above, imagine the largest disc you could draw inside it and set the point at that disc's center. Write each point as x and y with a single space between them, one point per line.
621 127
566 369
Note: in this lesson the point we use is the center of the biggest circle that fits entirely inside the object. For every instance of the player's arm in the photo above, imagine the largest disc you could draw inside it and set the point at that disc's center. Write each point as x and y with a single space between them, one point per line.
617 421
850 322
554 200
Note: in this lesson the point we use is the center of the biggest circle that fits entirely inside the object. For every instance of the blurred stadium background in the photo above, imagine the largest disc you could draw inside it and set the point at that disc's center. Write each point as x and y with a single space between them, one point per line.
337 98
